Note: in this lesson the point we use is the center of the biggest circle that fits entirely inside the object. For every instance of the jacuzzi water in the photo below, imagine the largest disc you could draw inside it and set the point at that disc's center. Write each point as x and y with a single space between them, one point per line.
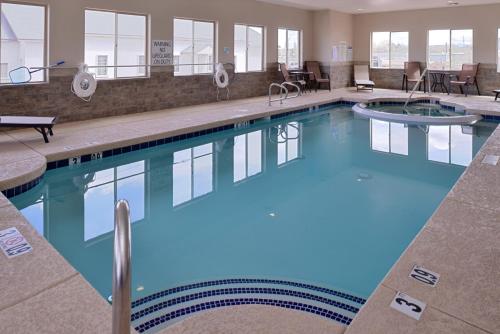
422 109
320 198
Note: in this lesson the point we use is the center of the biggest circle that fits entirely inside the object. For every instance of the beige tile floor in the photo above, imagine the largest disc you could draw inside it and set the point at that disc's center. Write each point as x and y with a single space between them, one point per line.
41 293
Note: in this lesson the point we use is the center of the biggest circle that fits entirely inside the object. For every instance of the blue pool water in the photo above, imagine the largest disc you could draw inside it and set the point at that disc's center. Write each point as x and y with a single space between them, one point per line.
320 198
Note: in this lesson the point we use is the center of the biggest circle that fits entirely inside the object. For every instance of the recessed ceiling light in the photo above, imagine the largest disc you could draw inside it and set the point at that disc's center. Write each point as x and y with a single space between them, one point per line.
453 3
360 9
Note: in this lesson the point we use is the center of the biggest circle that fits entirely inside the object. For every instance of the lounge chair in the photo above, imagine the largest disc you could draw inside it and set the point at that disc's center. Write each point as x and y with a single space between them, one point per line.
362 78
317 77
412 75
466 78
43 125
287 77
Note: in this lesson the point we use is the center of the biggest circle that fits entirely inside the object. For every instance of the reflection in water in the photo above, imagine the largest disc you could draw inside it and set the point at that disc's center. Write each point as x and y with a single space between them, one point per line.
288 139
449 144
192 173
247 155
34 214
389 137
104 189
241 229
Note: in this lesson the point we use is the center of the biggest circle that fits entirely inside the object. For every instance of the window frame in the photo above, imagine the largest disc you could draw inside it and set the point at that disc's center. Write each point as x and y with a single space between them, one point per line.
263 53
115 67
286 47
390 50
45 72
450 30
498 50
215 44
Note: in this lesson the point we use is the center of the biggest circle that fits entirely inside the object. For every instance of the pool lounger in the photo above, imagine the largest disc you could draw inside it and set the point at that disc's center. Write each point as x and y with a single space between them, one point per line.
41 124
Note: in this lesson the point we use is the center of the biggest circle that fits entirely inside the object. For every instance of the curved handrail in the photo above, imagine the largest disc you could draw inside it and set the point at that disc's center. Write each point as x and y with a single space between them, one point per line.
282 88
122 270
299 91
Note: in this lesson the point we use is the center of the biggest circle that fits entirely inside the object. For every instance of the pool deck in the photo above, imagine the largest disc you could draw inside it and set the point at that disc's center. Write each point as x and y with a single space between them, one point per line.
42 293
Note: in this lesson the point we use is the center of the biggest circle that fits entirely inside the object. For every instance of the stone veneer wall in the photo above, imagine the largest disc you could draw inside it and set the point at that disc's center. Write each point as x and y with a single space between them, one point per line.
488 78
341 74
124 96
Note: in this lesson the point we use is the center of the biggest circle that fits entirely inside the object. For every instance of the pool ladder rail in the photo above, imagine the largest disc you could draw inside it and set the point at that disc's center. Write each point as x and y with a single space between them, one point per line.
283 92
121 302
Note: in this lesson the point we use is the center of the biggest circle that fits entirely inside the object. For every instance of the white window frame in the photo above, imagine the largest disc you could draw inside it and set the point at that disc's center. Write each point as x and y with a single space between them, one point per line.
286 47
498 50
45 40
390 49
115 51
263 54
449 46
215 58
102 70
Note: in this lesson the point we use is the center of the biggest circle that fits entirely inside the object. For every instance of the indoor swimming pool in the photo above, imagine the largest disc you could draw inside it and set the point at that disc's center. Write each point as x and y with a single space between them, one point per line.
308 211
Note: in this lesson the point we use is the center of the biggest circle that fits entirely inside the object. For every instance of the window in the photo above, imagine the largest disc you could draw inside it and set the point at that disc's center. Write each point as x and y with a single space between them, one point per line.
449 49
247 155
449 144
102 62
23 39
389 49
115 39
4 72
498 51
193 173
288 139
389 137
194 47
141 60
289 48
248 48
104 189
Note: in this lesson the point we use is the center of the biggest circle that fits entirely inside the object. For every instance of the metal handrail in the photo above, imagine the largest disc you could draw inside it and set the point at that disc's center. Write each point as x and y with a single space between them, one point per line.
282 88
299 91
424 73
122 270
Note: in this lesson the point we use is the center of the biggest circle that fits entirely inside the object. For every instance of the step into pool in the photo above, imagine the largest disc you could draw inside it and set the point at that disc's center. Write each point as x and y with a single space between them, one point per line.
307 212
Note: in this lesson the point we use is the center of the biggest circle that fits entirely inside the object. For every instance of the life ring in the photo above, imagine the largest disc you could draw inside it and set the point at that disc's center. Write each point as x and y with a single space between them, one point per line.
84 84
221 77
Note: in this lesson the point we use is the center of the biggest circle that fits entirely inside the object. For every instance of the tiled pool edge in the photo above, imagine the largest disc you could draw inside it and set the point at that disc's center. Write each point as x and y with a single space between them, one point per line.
4 204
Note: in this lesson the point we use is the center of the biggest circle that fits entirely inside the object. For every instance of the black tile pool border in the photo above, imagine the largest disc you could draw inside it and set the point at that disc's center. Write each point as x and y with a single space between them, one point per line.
243 301
192 286
225 292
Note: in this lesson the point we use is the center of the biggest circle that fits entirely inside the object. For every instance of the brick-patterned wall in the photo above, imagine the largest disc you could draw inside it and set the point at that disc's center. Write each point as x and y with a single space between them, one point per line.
117 97
488 78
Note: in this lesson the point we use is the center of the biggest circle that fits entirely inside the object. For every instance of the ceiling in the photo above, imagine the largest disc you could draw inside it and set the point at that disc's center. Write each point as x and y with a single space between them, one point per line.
371 6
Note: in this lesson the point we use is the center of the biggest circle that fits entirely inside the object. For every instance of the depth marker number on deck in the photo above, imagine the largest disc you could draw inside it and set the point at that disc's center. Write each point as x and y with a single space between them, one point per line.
424 276
13 243
408 305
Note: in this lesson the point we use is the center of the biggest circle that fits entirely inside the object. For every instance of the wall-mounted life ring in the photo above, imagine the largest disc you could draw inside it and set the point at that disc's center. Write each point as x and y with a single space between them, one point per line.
84 84
221 77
